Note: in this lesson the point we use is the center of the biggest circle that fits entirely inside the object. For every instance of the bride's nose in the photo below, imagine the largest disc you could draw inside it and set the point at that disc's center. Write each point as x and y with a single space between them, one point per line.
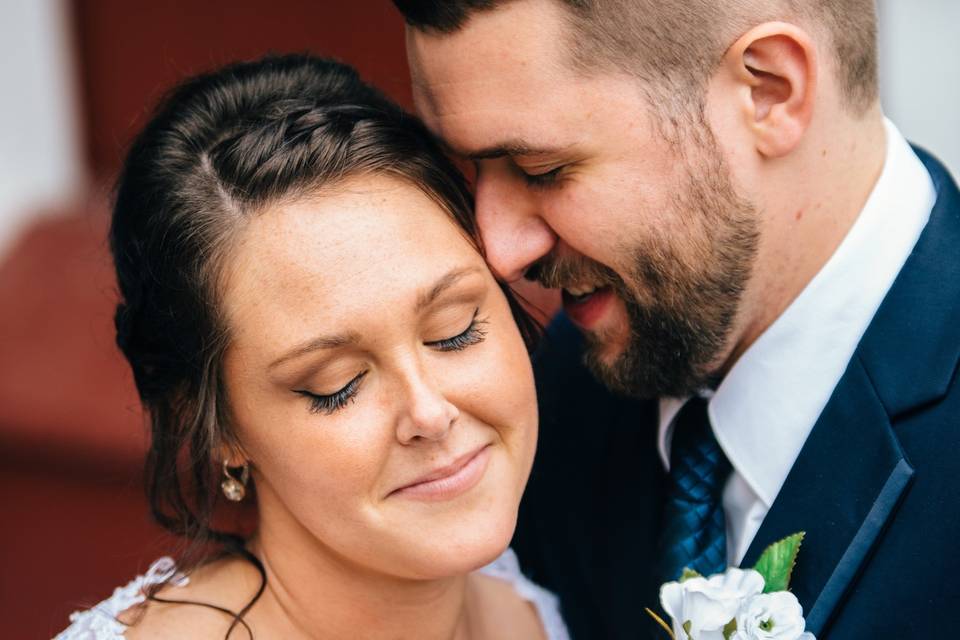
426 413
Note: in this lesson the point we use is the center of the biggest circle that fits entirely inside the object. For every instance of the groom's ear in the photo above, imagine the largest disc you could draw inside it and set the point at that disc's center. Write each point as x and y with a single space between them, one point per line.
775 67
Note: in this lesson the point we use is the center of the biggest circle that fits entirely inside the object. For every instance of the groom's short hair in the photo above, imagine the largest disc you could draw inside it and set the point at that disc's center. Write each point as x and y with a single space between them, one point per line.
676 44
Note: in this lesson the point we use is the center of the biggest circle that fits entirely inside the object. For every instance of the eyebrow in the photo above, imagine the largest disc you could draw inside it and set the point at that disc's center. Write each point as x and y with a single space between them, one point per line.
424 299
512 148
429 296
316 344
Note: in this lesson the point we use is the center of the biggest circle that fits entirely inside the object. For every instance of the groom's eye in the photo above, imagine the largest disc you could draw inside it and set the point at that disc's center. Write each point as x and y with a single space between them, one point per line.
543 179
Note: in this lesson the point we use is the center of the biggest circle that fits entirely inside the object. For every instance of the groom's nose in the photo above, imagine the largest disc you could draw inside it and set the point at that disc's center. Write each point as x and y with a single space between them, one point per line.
515 234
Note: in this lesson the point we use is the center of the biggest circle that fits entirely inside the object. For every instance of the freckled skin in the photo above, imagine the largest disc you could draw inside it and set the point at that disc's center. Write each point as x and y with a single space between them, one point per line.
355 261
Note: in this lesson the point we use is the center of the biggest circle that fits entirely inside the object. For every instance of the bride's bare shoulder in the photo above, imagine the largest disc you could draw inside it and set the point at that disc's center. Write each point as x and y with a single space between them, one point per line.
225 584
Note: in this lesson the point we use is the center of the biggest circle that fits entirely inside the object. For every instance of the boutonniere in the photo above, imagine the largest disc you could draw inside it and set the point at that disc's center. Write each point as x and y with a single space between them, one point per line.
739 604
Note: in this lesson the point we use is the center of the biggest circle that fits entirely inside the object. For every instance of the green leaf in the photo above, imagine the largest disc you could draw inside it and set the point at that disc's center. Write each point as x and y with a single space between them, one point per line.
777 562
688 573
730 629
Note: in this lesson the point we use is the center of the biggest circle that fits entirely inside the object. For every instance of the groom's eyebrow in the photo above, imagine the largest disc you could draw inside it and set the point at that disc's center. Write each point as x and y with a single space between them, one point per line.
512 148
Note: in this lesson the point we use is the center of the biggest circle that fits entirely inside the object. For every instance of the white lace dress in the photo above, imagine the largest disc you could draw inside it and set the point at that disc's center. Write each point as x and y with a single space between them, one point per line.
100 622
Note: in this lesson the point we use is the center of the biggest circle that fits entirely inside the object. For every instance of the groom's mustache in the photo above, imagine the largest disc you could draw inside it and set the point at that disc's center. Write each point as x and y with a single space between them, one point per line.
555 272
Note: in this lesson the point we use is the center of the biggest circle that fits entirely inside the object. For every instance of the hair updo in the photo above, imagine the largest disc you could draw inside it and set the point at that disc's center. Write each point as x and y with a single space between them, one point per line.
220 148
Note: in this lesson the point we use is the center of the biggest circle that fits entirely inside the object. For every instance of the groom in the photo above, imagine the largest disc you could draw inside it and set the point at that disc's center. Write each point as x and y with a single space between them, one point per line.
760 275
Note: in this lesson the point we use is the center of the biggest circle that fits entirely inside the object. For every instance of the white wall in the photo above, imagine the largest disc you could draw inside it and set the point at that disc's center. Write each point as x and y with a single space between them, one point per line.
920 73
40 163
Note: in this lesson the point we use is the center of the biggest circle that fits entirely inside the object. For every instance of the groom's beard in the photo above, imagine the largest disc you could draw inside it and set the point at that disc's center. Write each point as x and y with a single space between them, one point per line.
681 310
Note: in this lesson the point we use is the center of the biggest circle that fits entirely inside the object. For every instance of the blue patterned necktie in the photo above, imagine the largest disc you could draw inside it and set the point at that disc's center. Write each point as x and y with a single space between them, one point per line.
693 527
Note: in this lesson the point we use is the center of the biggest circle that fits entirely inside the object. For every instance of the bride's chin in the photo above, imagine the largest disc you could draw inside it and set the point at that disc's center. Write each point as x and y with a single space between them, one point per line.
459 553
444 539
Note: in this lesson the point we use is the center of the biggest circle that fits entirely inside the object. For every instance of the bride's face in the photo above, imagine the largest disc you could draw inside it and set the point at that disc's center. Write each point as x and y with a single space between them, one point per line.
377 382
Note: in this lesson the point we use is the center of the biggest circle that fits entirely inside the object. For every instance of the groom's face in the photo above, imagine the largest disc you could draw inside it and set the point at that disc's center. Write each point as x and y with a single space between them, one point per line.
582 185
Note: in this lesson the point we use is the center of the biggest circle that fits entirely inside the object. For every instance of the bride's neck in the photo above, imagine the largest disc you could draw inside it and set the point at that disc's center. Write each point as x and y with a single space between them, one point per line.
313 593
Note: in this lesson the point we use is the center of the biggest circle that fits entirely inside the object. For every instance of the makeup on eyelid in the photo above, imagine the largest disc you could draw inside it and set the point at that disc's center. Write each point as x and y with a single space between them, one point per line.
333 402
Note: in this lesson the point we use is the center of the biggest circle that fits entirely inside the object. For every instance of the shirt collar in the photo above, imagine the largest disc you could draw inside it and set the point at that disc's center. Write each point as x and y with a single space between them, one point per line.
770 400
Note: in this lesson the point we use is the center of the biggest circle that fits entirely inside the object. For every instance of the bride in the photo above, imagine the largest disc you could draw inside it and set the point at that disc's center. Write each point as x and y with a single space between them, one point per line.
317 340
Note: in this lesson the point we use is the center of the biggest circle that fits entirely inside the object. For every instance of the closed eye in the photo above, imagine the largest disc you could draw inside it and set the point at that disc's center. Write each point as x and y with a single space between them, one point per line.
542 179
333 402
474 334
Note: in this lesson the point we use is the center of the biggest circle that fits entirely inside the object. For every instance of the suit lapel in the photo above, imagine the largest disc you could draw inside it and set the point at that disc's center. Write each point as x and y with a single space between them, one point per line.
842 490
851 474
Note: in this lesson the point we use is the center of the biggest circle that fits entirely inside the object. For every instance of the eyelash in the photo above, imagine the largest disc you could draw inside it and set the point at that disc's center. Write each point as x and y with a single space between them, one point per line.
542 179
330 404
474 334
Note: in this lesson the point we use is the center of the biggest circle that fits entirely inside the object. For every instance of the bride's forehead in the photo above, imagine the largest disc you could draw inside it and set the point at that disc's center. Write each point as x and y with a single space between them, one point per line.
364 215
359 247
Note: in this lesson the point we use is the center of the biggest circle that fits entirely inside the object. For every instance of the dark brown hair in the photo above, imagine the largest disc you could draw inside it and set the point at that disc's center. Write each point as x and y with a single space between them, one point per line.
675 45
220 148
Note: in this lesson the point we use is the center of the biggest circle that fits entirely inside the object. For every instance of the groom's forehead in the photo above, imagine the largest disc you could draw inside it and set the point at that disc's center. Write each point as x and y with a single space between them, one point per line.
480 117
487 119
470 89
508 47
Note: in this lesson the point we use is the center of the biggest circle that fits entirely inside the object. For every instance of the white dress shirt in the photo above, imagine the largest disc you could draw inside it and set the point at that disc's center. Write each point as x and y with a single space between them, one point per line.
766 406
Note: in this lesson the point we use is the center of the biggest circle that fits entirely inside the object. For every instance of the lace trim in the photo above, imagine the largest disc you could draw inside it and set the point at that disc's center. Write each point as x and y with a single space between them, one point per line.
507 568
100 622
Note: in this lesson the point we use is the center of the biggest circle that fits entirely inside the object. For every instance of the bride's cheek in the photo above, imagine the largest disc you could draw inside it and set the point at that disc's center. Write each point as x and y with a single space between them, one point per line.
508 383
330 461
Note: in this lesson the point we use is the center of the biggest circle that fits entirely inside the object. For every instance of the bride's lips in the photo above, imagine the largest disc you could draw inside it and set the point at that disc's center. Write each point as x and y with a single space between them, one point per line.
586 311
450 480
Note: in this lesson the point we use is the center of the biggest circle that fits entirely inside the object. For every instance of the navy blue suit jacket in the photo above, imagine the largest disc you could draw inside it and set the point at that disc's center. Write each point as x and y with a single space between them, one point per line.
876 486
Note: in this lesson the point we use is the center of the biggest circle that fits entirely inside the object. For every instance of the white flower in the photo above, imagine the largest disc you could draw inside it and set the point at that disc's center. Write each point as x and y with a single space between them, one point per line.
771 616
701 607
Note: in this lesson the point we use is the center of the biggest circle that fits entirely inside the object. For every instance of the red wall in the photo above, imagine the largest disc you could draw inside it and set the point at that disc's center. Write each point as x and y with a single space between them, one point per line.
131 51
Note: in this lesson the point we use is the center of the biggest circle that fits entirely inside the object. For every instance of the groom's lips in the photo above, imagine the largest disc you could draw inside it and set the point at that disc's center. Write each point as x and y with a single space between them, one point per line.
586 311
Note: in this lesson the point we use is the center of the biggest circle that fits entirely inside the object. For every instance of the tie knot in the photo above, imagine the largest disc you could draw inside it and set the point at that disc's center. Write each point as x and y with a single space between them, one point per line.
698 466
693 530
